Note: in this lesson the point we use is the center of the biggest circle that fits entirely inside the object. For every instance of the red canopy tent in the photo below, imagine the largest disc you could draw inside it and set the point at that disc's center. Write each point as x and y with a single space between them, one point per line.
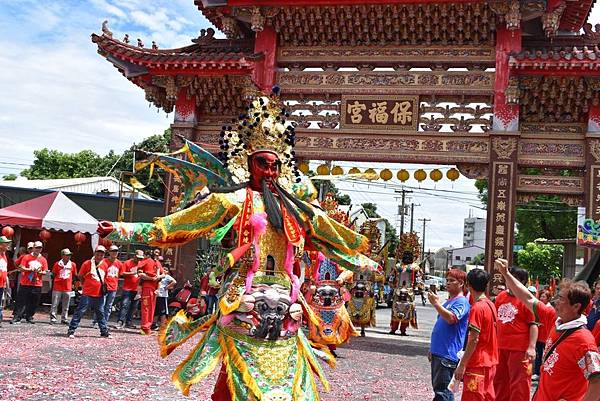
58 214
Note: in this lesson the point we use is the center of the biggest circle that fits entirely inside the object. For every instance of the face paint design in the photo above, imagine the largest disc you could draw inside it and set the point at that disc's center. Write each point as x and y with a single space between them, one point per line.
264 166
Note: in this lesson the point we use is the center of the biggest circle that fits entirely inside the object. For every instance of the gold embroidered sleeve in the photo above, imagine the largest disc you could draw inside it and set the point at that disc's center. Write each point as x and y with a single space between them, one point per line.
180 227
337 235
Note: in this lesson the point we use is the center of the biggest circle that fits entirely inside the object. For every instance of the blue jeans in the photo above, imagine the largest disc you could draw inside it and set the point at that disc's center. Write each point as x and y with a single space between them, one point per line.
211 302
1 303
109 299
97 305
539 354
129 305
442 370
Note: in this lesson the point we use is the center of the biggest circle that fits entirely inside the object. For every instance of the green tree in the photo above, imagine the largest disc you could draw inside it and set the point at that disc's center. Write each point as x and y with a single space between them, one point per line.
390 232
49 164
544 217
542 261
9 177
479 260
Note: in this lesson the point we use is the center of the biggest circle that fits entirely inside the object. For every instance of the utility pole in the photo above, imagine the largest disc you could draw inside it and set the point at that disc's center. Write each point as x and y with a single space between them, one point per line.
402 207
412 214
424 222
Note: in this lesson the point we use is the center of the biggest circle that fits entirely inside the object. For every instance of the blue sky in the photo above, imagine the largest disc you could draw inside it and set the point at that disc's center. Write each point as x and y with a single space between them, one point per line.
59 93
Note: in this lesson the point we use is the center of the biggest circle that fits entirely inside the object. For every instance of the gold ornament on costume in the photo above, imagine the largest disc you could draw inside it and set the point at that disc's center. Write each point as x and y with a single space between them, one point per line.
409 242
331 206
262 127
369 229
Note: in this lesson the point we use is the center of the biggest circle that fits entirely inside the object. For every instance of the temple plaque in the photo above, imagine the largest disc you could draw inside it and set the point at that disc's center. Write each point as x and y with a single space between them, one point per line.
380 112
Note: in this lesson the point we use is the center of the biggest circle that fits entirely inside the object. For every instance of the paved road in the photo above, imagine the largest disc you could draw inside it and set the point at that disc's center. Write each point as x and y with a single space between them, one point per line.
39 363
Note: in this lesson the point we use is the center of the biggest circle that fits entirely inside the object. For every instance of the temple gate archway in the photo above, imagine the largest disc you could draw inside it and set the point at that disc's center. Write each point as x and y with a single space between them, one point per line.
492 87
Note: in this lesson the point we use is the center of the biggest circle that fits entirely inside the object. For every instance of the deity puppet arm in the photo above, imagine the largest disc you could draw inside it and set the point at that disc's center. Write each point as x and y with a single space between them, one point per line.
180 227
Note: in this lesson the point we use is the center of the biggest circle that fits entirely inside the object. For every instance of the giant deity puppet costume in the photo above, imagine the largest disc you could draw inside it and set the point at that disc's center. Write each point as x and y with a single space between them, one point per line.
362 305
325 291
254 189
402 281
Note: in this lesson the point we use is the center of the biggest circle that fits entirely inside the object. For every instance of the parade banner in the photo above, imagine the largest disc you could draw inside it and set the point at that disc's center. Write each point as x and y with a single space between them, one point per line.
588 231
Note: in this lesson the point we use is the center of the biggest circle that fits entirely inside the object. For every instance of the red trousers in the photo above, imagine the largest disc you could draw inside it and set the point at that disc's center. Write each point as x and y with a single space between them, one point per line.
148 304
221 391
513 376
478 384
396 323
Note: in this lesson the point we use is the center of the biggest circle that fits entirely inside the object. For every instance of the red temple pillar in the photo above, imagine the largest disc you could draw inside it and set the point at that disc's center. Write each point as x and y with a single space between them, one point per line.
502 180
264 72
592 168
182 258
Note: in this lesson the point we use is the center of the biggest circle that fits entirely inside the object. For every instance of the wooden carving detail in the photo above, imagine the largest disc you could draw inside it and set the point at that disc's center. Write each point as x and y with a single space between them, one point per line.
451 117
474 171
594 145
557 99
504 147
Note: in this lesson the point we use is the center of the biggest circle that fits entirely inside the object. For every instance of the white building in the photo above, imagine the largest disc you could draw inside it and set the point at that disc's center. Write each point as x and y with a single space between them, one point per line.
91 185
465 256
474 232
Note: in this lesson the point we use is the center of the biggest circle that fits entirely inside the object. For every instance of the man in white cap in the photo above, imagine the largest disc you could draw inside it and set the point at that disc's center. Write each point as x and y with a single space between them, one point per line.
33 266
92 275
114 268
130 287
4 245
64 270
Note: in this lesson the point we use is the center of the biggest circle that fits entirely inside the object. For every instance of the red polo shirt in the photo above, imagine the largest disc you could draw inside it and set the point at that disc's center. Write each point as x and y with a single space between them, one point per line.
3 270
113 271
63 276
92 286
483 319
33 278
150 268
514 320
130 283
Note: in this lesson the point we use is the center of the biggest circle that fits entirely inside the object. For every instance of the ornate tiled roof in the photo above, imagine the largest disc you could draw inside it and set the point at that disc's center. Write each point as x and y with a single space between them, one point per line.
586 57
206 52
575 14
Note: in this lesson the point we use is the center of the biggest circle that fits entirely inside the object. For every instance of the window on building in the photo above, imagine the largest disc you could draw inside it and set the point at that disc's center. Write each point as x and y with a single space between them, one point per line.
468 258
457 258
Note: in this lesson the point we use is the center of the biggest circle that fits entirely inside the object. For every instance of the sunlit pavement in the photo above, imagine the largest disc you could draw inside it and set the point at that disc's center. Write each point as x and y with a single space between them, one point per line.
40 363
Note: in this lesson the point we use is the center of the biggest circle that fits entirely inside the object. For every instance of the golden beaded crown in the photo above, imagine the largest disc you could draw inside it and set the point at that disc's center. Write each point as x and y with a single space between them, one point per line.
262 127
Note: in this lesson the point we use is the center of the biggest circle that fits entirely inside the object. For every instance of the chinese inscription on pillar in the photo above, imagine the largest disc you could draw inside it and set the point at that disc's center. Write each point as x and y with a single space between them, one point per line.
501 204
380 112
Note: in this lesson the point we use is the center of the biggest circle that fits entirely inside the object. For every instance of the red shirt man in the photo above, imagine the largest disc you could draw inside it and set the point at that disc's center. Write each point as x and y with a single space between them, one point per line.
113 270
91 276
36 265
63 275
130 274
4 244
517 335
477 367
149 272
558 379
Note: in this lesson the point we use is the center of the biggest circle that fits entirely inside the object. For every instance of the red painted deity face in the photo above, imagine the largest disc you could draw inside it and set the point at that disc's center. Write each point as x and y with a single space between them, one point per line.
263 166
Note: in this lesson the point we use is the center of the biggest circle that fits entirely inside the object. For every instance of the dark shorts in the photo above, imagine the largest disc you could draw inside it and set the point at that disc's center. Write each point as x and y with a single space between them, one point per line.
162 306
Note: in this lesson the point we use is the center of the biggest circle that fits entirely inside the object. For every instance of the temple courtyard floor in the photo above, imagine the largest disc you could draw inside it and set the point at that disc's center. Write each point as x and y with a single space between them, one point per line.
38 362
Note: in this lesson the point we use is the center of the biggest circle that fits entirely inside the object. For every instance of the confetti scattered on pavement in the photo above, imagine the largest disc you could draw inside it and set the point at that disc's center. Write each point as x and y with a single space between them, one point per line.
40 363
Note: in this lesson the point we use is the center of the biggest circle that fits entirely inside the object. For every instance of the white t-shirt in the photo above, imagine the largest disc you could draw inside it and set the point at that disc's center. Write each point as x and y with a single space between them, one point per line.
162 286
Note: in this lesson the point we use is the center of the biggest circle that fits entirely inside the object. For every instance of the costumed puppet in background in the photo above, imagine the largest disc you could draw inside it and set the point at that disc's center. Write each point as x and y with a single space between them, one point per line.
402 280
255 190
362 305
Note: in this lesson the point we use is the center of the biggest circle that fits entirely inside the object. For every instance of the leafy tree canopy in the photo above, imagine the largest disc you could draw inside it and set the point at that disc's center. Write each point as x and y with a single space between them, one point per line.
542 261
9 177
52 164
544 217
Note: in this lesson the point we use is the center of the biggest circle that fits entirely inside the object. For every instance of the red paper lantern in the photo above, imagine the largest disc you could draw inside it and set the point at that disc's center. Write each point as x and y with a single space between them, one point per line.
8 232
79 238
45 235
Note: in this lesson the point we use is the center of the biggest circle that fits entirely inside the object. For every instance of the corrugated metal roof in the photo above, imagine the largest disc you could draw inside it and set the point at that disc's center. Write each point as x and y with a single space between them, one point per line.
88 185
